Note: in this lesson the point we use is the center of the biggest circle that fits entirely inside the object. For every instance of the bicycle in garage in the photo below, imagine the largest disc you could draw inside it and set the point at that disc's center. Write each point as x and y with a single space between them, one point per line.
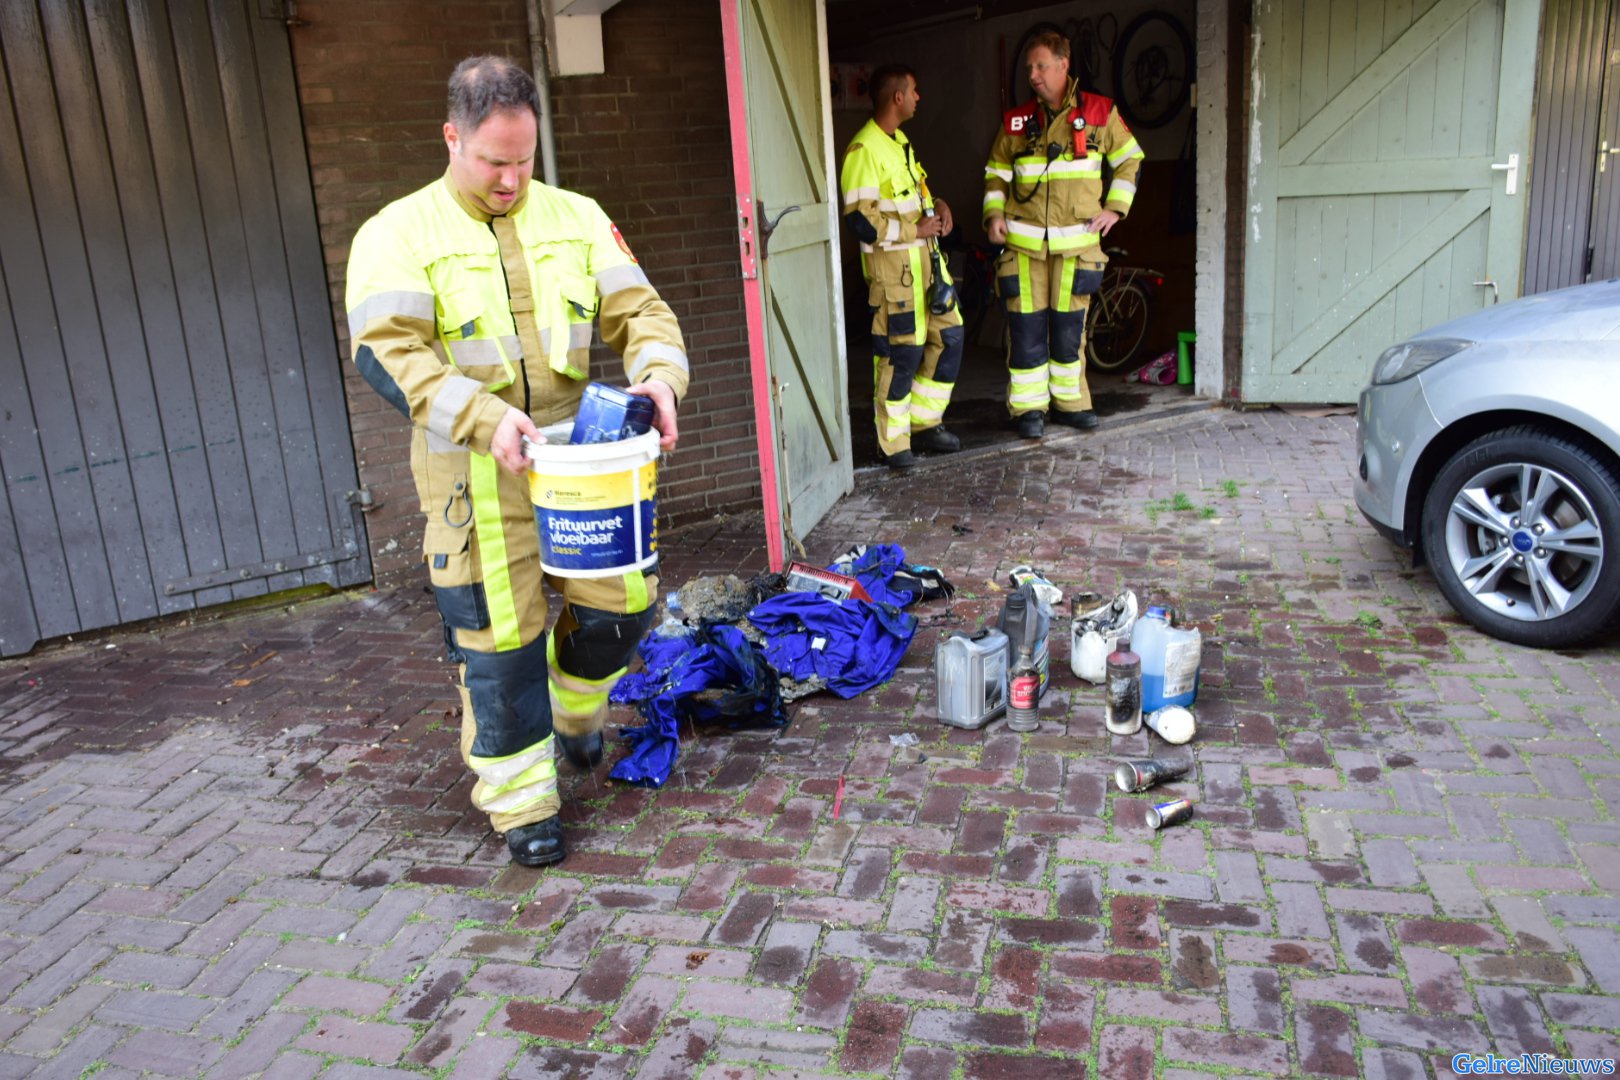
1120 315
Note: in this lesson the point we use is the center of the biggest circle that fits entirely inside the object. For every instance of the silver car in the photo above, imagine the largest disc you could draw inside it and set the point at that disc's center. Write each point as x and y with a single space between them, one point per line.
1490 445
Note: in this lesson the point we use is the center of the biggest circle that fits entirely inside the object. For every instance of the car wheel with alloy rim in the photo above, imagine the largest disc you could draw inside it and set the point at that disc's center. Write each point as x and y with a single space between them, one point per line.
1521 529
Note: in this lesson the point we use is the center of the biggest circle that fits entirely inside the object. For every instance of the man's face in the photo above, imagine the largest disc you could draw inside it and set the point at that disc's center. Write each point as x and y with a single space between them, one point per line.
908 98
492 165
1048 74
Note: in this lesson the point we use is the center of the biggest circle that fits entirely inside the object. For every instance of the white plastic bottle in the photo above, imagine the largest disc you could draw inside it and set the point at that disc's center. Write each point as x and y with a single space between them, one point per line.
1170 660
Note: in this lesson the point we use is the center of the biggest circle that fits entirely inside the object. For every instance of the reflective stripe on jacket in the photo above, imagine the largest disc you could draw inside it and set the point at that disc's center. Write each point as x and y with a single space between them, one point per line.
454 315
885 190
1047 200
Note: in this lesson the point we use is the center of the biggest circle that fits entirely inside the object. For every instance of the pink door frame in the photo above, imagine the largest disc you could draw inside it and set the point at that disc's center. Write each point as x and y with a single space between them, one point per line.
753 288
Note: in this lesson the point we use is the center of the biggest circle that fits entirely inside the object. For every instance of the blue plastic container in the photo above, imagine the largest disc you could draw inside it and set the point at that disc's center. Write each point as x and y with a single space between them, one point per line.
1170 660
608 414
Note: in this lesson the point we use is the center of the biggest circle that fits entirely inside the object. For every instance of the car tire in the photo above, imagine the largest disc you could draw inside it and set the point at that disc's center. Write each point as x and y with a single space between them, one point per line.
1550 579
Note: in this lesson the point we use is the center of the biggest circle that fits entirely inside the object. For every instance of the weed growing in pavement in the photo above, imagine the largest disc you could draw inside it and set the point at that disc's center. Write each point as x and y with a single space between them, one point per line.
1369 621
1177 503
1230 488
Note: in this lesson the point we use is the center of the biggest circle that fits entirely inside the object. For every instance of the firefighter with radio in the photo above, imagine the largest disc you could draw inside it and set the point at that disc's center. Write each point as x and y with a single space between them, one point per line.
917 333
471 304
1045 200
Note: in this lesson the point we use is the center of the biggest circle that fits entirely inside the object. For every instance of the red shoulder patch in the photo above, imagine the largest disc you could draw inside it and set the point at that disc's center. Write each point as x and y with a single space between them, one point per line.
624 247
1017 121
1094 108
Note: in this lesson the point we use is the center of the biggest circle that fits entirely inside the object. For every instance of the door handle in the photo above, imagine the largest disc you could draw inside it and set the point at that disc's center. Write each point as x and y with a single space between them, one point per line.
1604 150
1511 167
1496 294
768 224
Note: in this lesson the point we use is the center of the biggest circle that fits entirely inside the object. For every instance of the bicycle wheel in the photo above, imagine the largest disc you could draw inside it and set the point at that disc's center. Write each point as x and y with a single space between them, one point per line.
1117 324
1153 70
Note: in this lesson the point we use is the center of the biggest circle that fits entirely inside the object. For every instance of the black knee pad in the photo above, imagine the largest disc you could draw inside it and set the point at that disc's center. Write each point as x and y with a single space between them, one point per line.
904 360
597 643
1068 334
950 357
510 699
1027 333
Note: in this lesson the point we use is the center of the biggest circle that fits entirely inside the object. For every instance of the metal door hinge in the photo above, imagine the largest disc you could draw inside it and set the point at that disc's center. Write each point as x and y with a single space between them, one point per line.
362 498
269 568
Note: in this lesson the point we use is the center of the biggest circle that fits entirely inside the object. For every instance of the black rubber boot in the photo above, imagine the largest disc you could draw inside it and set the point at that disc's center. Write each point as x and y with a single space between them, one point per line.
1085 421
540 844
935 440
905 459
1032 425
582 751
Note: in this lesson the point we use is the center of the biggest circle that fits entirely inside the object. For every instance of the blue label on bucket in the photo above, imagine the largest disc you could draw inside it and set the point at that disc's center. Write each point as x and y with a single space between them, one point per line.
597 540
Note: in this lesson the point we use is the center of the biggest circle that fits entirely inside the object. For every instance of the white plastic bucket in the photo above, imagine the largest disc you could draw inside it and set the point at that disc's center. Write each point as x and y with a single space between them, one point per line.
596 505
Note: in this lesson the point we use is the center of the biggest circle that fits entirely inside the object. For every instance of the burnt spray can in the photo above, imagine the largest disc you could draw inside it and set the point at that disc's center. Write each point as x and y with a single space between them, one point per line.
1165 814
1141 775
1122 702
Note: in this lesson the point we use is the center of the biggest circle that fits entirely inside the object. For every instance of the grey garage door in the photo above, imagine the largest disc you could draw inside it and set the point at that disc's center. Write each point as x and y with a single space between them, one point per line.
173 431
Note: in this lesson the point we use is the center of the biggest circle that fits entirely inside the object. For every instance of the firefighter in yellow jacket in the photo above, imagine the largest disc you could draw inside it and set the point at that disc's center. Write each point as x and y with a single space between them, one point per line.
470 307
1044 199
916 351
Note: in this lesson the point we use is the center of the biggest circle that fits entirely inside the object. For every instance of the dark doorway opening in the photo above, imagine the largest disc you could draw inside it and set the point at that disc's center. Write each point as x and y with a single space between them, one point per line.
969 70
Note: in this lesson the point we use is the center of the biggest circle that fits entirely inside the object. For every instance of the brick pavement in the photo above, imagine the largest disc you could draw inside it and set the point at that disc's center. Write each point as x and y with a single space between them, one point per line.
242 845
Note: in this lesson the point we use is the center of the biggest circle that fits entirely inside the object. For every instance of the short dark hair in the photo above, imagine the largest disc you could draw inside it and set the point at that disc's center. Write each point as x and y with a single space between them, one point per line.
481 85
1054 42
886 80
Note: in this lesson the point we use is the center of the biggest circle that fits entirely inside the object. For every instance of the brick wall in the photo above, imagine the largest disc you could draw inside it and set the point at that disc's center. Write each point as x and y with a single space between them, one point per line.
648 139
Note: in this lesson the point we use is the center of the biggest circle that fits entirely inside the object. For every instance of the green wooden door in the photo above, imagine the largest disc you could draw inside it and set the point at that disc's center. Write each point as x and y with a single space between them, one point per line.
1376 202
785 78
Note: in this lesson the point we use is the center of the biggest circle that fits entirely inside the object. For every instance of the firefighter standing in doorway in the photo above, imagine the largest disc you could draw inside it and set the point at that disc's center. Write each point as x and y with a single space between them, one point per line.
1044 199
916 352
470 307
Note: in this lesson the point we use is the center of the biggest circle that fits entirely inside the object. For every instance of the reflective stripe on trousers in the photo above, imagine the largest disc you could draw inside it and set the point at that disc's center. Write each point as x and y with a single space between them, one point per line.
1046 331
505 653
916 356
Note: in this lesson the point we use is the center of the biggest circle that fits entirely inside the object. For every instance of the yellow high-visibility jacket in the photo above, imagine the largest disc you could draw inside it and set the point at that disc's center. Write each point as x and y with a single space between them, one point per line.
454 316
1047 198
885 190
